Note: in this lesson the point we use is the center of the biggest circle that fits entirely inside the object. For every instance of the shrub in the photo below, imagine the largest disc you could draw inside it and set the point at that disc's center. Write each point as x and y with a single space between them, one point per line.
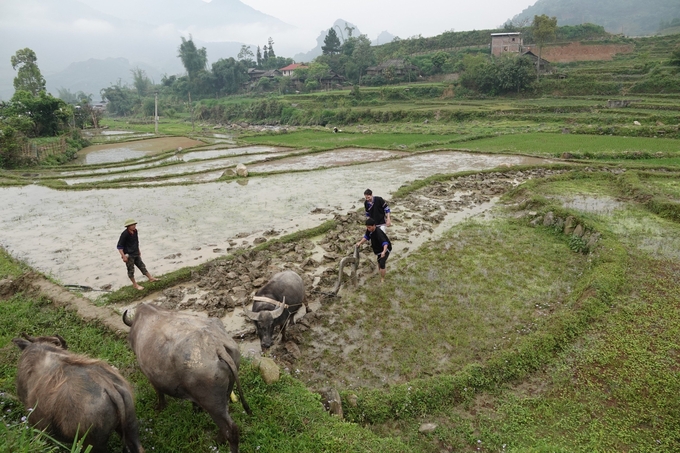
10 147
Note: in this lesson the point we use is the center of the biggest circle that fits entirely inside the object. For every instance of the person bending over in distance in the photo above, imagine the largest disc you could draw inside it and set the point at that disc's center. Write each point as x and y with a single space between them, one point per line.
377 209
128 247
380 244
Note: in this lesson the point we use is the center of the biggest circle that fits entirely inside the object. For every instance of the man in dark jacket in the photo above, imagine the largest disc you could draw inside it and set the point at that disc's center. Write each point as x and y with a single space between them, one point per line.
128 247
380 244
377 209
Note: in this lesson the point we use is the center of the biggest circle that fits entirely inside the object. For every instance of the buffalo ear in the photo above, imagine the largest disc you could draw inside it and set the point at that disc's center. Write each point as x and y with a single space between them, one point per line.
62 341
21 343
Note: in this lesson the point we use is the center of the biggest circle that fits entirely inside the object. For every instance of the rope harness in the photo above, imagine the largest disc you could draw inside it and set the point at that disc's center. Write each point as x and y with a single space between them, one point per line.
277 304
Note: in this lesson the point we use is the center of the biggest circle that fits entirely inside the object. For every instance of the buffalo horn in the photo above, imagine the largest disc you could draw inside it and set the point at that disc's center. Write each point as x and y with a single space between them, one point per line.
126 320
253 316
279 310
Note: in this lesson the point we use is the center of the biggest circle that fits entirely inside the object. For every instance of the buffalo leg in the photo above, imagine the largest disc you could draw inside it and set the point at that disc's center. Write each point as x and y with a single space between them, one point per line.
161 400
218 409
228 430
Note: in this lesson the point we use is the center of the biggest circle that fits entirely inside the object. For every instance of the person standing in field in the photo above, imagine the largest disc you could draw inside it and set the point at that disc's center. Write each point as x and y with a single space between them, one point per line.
128 247
377 209
380 244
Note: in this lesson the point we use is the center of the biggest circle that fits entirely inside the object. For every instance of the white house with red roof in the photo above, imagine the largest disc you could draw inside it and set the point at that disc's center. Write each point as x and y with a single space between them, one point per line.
288 70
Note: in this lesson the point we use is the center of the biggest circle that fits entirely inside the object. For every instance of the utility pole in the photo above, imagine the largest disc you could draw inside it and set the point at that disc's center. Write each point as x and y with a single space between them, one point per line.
155 112
191 108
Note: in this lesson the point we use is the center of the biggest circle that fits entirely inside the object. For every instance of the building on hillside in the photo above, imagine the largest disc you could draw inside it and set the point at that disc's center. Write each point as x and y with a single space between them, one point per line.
332 80
544 67
395 67
506 43
100 106
256 74
288 70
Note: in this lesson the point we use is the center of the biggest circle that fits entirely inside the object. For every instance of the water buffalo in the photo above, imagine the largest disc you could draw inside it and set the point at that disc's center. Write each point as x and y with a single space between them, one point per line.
72 394
188 357
275 303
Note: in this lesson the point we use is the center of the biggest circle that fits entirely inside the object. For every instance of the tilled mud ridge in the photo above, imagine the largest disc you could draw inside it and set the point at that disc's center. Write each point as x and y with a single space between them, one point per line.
222 287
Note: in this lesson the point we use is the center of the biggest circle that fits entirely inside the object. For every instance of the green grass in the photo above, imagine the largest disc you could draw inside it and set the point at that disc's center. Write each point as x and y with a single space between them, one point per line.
498 332
325 139
602 147
286 416
476 291
10 267
614 390
166 126
611 386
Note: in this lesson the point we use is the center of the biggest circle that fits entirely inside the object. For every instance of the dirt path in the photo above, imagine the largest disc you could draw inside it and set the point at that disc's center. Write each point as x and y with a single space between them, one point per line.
34 283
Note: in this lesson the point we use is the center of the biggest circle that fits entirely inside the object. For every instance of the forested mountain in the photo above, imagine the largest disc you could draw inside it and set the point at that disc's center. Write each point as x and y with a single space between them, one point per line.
630 17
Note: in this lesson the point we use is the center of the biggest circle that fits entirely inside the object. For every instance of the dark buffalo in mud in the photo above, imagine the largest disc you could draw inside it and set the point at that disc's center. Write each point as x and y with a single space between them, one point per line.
70 394
188 357
275 304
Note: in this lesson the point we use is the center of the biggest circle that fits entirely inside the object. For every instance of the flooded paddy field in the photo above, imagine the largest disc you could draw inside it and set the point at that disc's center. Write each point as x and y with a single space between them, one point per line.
333 158
176 158
118 152
180 167
593 204
72 235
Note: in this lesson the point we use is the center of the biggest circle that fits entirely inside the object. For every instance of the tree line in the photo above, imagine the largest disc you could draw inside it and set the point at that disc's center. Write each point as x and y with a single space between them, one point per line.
33 113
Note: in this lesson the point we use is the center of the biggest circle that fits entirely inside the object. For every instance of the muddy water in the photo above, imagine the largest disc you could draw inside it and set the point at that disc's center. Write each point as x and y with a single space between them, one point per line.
119 152
190 156
191 167
596 205
72 235
327 159
107 133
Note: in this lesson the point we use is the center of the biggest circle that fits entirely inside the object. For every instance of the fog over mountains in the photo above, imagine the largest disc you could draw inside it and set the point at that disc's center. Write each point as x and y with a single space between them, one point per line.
628 17
88 45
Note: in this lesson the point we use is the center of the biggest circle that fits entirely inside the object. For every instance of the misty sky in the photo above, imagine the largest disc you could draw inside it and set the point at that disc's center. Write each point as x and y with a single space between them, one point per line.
147 32
403 18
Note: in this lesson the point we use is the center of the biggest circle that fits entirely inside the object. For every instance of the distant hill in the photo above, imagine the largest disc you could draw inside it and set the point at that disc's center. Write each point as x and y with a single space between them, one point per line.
190 14
630 17
90 31
383 38
92 75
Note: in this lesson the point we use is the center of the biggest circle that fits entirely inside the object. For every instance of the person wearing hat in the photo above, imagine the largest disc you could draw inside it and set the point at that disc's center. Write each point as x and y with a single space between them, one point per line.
380 244
128 247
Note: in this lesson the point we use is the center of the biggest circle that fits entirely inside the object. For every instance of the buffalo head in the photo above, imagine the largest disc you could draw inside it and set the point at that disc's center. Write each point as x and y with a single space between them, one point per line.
265 321
56 340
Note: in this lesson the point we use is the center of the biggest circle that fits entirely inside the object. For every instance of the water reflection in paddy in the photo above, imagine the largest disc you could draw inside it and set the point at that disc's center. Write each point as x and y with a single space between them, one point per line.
212 153
118 152
155 172
116 132
71 235
190 156
326 159
441 162
596 205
